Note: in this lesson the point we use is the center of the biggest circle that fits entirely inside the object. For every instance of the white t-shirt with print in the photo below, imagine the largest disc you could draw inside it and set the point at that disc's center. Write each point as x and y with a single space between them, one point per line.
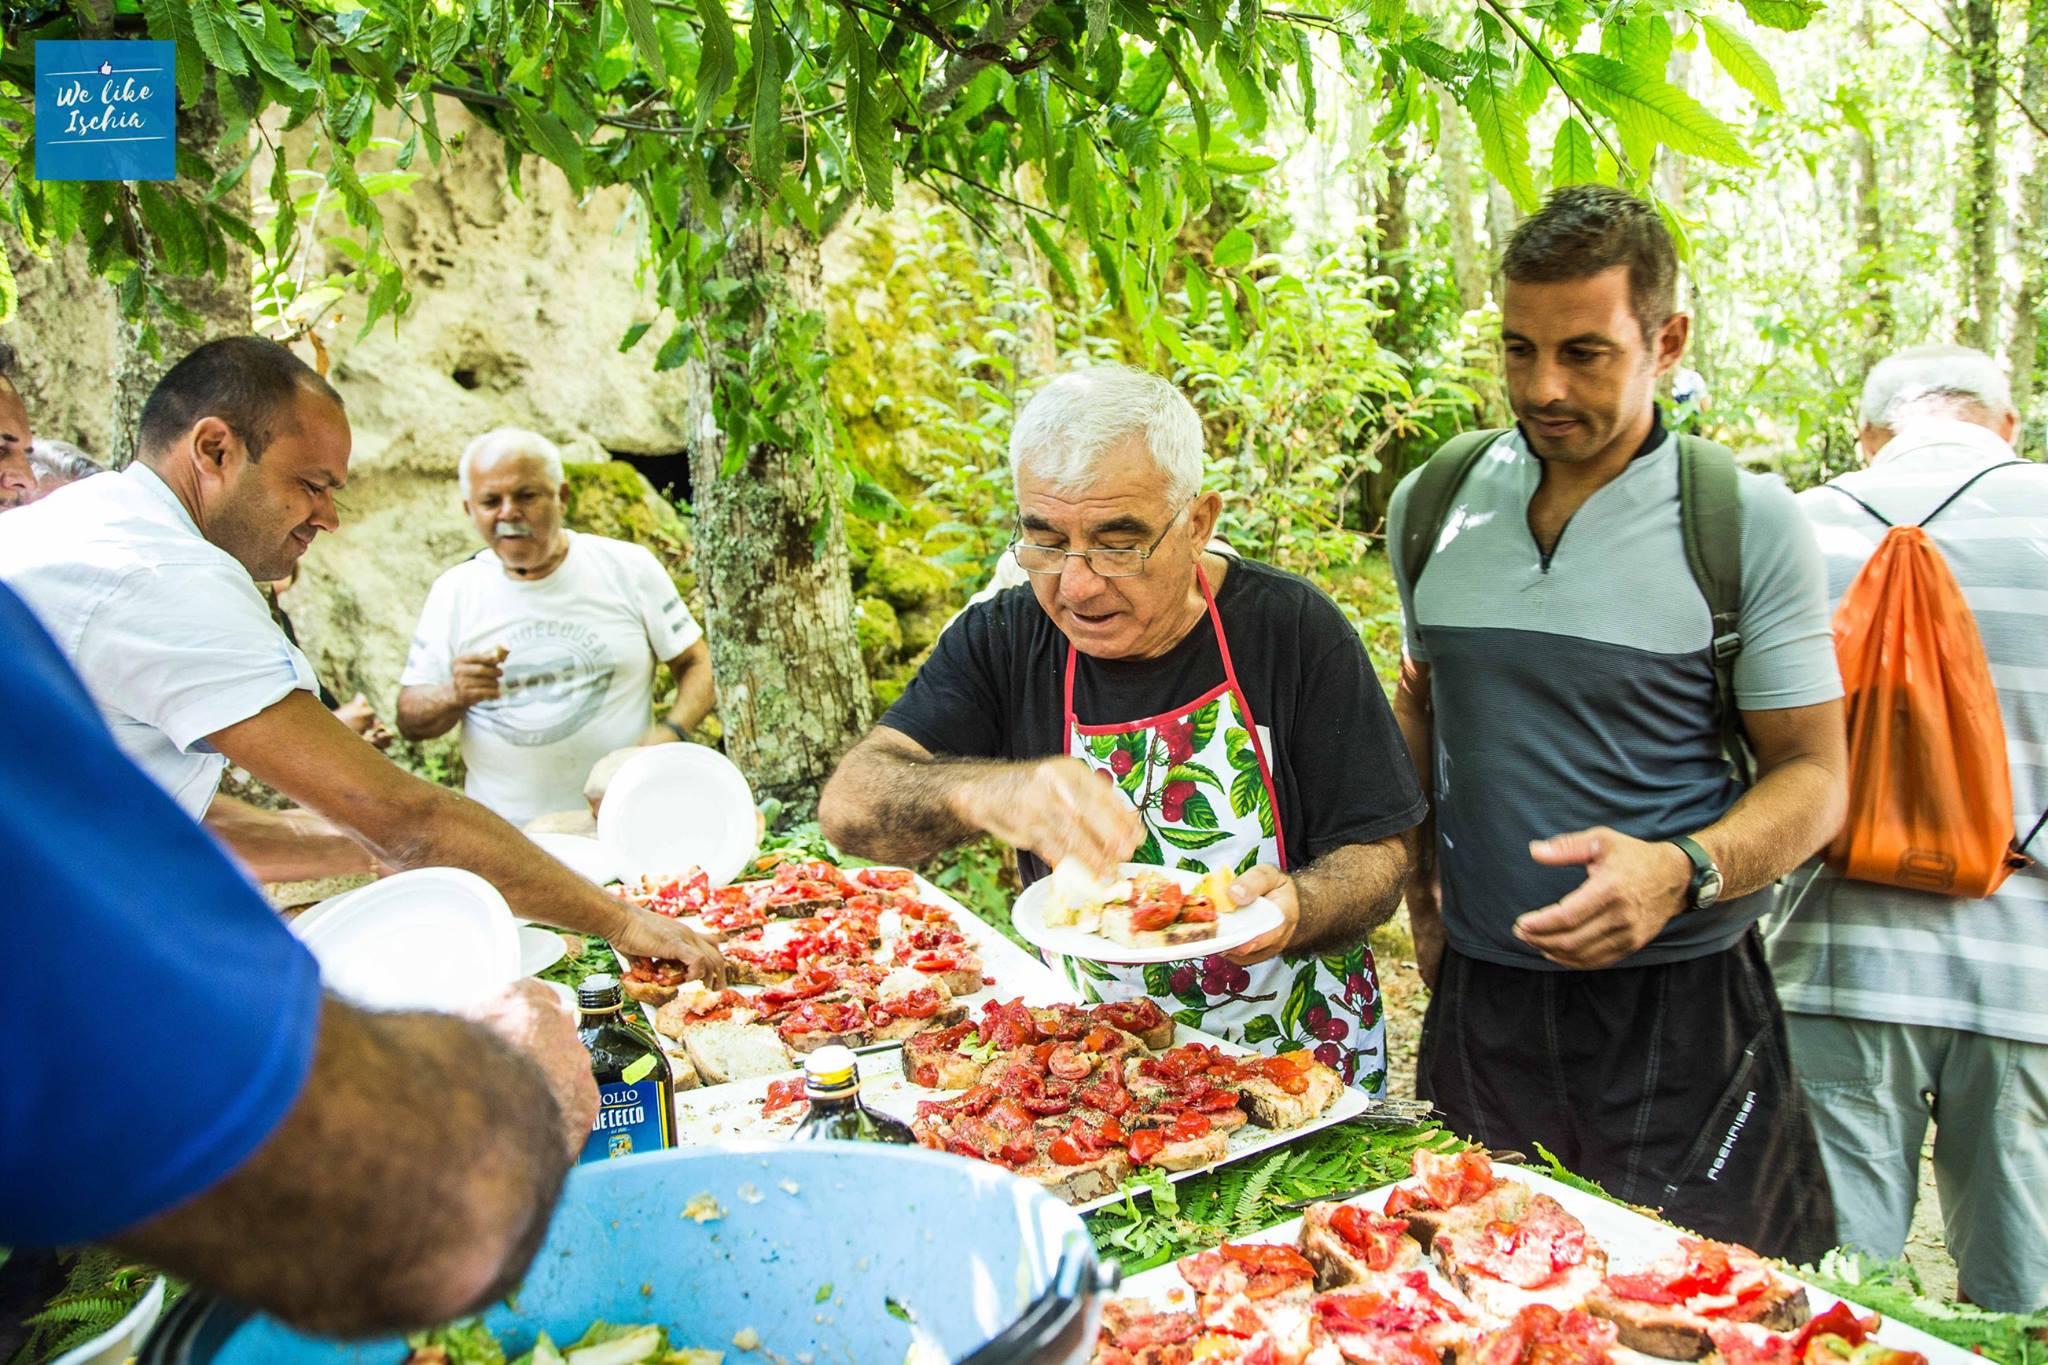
168 631
578 676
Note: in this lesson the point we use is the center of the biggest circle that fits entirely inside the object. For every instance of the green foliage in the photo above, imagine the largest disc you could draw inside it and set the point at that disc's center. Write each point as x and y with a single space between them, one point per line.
1174 1220
1892 1289
100 1287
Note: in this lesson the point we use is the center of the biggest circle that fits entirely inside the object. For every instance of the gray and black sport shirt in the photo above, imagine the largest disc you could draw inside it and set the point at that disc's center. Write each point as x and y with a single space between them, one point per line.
1577 689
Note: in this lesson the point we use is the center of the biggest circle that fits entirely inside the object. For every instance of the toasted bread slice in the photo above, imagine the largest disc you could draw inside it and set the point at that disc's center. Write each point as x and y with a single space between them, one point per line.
730 1051
1272 1107
1194 1153
1499 1301
1503 1204
647 992
904 1028
1380 1245
1116 927
1675 1332
1543 1256
1079 1184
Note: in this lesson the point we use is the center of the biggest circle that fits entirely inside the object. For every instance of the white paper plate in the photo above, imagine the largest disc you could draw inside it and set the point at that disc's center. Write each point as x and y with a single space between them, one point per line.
580 853
539 949
1232 927
123 1340
678 806
435 938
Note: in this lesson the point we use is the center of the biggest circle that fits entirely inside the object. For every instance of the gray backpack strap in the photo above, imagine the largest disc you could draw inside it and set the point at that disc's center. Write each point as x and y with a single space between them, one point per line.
1431 495
1710 516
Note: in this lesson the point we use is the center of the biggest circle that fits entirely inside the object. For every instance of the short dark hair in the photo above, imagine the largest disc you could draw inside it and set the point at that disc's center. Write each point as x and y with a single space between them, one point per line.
1582 230
248 382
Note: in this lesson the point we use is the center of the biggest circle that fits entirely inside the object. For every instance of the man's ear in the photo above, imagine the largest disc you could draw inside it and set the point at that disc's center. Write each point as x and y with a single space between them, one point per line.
1671 339
1202 515
1872 439
2007 426
214 445
562 494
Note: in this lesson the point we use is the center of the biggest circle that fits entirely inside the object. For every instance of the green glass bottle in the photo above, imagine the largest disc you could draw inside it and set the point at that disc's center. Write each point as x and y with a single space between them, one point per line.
832 1085
636 1098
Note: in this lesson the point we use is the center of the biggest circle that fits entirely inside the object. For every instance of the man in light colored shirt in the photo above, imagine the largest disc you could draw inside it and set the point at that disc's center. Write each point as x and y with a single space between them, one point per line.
542 646
17 478
1905 1006
146 579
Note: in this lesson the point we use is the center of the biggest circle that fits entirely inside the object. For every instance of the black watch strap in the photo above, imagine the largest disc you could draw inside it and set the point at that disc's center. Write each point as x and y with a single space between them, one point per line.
1705 887
678 731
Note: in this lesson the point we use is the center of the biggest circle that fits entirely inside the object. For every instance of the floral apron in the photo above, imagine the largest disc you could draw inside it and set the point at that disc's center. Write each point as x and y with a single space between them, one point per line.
1202 784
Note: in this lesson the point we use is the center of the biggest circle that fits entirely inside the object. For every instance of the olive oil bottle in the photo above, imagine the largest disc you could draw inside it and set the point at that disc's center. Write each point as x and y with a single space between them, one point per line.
636 1101
832 1085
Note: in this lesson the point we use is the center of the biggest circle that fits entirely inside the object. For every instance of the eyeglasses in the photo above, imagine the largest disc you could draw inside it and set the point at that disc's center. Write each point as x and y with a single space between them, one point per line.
1047 560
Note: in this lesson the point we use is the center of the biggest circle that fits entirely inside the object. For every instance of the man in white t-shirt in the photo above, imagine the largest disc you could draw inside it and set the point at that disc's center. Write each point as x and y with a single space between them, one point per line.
542 646
146 580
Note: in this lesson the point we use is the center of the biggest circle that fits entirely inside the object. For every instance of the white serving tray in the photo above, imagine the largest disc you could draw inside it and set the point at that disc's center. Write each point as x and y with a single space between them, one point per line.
1016 972
1631 1240
732 1113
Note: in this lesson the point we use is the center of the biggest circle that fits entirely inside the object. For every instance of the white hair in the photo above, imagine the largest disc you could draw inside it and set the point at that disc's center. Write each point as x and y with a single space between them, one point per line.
1070 423
61 461
510 441
1934 381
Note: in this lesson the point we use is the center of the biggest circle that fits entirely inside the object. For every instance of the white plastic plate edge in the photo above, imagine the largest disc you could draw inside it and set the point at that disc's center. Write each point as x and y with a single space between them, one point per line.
1233 928
1632 1241
737 843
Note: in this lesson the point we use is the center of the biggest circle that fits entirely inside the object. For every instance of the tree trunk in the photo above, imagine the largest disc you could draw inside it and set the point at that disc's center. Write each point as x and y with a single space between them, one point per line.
1978 218
1468 266
1393 256
2026 327
1879 313
224 305
771 553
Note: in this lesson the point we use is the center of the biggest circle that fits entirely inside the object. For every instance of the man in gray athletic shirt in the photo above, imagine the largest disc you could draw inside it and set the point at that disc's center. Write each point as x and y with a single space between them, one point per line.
1597 985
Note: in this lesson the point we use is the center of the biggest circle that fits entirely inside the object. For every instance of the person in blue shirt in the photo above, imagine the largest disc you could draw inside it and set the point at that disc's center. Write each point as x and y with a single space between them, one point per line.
178 1087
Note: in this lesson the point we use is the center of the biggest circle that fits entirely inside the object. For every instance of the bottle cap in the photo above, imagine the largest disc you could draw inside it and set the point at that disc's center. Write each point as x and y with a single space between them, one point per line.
598 992
831 1066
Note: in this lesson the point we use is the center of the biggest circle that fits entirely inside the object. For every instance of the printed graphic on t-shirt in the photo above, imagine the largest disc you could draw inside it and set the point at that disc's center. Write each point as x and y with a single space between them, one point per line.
554 679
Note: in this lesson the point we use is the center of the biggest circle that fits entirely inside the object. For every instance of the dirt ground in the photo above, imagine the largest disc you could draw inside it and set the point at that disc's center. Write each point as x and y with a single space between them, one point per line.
1402 993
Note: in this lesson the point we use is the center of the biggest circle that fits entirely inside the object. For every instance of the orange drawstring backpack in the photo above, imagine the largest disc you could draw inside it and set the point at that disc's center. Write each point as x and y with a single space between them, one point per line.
1930 792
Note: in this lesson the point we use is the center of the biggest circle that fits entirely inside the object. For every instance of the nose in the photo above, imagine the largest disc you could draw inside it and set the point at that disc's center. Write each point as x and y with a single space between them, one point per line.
326 516
1547 382
1079 582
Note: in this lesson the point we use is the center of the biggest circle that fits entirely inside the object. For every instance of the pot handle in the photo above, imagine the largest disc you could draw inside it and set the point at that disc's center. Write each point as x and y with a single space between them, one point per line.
1054 1314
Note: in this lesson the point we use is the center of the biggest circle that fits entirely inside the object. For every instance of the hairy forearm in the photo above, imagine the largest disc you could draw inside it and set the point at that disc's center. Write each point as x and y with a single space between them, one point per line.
1787 817
430 826
895 808
428 710
285 846
1351 891
410 1183
696 694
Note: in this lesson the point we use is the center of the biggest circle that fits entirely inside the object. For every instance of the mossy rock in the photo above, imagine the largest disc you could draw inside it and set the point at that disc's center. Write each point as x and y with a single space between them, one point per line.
906 580
881 638
920 629
886 691
614 499
863 539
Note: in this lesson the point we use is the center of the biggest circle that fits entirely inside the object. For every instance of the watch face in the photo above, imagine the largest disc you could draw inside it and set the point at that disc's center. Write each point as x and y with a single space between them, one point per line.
1709 887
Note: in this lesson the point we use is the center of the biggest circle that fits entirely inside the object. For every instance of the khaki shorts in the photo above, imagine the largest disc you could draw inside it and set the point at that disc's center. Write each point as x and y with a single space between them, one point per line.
1873 1089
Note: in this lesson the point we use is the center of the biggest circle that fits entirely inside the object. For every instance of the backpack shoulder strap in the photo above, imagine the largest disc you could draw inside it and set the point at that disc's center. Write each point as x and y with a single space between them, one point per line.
1431 495
1967 485
1710 516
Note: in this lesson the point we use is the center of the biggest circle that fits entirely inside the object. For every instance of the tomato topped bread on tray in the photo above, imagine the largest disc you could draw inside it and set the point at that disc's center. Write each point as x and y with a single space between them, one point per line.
1514 1282
831 959
1076 1096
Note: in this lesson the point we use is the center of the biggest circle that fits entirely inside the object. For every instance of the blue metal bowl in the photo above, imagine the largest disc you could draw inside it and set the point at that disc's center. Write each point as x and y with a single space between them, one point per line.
837 1252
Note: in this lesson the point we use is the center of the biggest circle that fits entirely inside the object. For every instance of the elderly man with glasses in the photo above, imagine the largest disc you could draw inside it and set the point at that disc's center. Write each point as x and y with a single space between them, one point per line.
1145 699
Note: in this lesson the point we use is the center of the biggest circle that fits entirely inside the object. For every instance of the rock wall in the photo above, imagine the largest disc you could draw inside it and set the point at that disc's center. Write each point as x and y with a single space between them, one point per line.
66 330
518 306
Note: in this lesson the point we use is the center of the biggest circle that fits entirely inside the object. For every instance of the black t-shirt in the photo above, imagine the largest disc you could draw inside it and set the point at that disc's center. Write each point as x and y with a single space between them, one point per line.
993 688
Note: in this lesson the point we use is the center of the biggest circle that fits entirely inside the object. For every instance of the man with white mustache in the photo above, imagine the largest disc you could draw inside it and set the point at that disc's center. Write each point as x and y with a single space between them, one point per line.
543 645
